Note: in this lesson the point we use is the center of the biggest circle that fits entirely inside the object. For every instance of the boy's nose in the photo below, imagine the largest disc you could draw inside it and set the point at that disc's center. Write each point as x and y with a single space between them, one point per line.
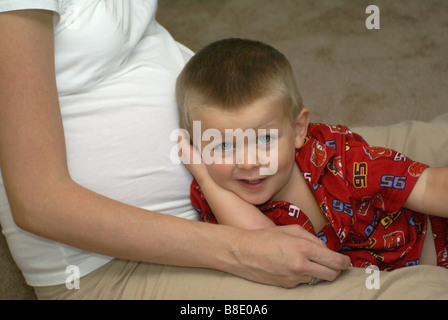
248 160
248 166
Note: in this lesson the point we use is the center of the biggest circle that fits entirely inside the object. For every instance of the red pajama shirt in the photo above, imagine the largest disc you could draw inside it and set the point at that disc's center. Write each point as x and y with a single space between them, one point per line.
361 191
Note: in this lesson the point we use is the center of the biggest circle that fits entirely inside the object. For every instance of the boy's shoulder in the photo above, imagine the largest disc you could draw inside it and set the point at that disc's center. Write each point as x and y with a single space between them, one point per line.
330 129
333 134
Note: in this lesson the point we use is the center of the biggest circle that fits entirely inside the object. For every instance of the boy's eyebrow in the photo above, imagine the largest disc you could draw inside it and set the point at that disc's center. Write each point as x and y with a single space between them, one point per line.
270 124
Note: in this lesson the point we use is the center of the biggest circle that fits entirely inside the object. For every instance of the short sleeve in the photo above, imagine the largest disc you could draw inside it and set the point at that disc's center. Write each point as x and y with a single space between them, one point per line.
384 173
14 5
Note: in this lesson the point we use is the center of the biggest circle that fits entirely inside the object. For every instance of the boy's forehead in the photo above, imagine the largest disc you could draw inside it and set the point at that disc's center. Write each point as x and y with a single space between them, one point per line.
259 114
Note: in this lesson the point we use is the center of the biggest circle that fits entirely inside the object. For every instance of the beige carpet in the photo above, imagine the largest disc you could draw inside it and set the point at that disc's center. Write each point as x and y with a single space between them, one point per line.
347 74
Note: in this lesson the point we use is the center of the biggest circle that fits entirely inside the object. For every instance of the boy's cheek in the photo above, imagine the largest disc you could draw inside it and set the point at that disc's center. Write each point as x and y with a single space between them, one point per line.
269 160
269 164
220 173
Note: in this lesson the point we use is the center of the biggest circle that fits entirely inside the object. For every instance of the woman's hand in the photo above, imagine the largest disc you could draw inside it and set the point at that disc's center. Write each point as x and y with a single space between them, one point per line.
287 256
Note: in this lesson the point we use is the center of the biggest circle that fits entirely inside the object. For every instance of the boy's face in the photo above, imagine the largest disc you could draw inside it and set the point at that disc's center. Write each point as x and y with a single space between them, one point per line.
250 151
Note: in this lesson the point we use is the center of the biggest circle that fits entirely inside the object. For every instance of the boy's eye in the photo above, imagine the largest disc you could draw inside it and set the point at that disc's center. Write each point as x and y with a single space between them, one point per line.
264 139
226 146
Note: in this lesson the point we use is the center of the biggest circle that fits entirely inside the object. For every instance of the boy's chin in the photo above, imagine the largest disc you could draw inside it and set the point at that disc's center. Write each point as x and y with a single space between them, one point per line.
259 201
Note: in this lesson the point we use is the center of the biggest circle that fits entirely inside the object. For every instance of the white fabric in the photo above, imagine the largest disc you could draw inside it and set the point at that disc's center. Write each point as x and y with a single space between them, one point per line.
116 68
9 5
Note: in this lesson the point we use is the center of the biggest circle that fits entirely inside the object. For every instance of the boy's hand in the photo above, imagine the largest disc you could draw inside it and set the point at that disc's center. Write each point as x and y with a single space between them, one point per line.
192 160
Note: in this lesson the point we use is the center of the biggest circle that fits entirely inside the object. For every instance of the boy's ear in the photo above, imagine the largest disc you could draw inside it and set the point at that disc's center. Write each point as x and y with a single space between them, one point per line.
301 127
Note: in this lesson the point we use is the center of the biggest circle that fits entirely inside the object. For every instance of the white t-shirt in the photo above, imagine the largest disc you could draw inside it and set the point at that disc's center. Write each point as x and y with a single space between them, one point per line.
116 68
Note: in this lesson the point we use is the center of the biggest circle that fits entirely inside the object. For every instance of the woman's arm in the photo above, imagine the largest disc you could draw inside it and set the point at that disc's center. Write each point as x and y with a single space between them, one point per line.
47 202
227 207
43 198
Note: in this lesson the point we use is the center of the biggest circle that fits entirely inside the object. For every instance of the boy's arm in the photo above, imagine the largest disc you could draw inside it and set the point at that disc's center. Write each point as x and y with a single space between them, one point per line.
227 207
430 194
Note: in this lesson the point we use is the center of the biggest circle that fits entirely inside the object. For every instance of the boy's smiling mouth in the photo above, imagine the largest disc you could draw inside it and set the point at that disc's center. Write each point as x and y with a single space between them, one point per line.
252 183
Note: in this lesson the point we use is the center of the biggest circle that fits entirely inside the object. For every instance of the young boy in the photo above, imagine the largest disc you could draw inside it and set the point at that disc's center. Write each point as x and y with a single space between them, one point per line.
264 164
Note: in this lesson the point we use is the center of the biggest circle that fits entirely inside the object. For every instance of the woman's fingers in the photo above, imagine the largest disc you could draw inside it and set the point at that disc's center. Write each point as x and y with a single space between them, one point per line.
289 256
315 262
321 258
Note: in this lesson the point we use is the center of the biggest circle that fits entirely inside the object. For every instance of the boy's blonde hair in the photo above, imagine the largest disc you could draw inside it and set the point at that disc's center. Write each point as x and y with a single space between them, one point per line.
230 73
